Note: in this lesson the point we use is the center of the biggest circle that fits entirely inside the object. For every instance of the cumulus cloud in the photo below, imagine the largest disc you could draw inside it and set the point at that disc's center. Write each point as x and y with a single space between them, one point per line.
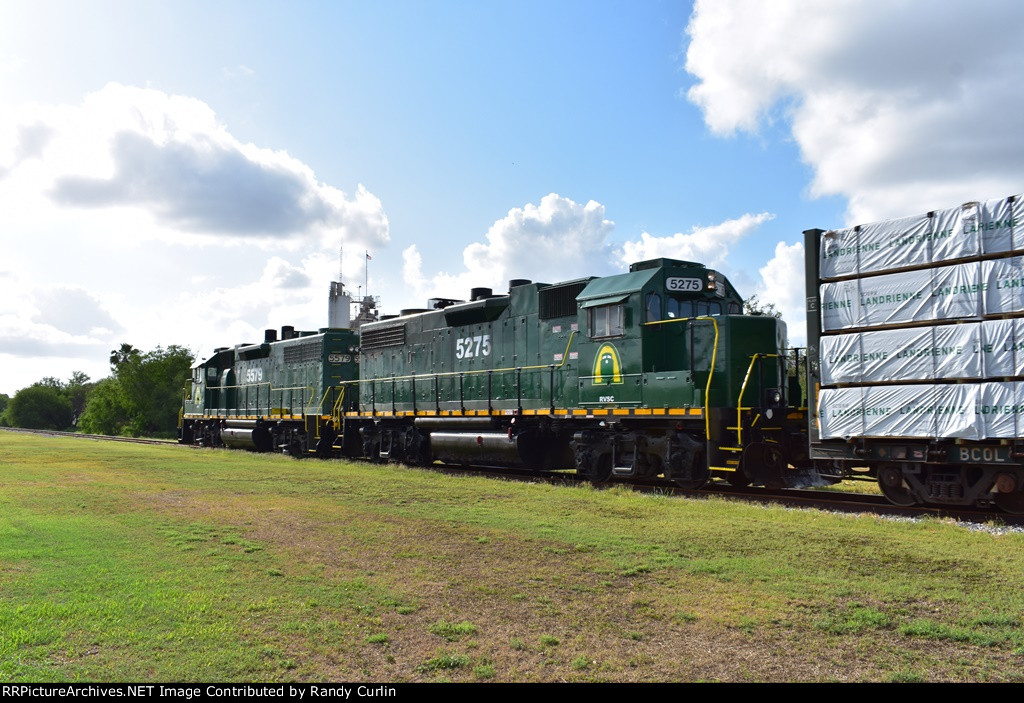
900 107
557 240
74 311
34 346
278 273
169 155
58 321
31 141
707 245
283 293
782 284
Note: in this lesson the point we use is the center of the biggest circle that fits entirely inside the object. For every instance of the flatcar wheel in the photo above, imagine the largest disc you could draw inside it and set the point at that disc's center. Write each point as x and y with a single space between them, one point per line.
890 481
1012 503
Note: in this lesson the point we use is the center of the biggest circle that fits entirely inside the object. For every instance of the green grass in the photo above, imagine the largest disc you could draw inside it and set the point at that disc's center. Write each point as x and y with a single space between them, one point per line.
453 631
143 563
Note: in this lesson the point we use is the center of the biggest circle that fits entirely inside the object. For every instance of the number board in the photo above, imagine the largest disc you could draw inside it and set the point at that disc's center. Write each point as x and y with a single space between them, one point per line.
683 285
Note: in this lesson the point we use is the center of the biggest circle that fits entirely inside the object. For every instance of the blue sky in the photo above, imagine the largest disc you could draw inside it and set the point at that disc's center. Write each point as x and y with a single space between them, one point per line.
184 172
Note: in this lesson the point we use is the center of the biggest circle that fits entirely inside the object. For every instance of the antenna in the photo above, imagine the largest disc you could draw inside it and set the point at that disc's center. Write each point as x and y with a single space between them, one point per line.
366 271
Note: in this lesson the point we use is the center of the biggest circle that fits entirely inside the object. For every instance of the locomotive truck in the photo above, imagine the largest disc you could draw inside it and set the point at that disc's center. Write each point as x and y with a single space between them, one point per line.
653 372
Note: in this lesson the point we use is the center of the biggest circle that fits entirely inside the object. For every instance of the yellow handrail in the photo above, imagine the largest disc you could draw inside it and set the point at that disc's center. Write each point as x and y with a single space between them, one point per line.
271 389
336 411
743 389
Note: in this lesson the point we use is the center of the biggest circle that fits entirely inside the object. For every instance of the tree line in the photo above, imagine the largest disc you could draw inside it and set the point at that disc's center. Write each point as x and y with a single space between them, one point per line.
142 396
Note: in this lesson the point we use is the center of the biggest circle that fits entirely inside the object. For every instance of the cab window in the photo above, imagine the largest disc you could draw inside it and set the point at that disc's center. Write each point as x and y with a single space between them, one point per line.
653 307
606 321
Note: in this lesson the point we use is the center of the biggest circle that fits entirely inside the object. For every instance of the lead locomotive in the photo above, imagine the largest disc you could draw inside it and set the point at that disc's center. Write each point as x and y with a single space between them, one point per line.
651 372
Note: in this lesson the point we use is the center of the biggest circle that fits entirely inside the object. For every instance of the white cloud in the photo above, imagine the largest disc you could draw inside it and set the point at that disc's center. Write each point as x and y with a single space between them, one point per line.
707 245
75 311
899 106
136 216
281 274
170 157
557 240
782 284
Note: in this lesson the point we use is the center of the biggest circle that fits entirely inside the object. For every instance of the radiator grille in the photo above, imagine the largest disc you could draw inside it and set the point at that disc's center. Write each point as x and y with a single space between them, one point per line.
307 351
382 337
560 301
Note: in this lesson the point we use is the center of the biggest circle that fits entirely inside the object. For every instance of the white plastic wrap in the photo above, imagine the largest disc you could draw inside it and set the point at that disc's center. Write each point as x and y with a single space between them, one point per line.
956 411
961 291
1018 347
838 253
956 351
951 240
912 354
840 359
955 233
840 305
958 291
998 348
894 244
899 411
1004 285
998 222
896 298
901 354
977 351
999 410
841 413
1018 397
918 411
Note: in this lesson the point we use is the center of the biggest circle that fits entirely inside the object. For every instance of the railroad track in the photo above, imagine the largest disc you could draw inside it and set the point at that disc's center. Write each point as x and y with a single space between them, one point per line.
98 437
823 499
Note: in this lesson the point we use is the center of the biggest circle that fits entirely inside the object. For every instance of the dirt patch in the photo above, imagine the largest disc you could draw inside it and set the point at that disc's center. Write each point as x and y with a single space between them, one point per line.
539 610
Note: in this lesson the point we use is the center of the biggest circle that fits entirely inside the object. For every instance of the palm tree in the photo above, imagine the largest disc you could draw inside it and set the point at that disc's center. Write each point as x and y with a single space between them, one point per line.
119 356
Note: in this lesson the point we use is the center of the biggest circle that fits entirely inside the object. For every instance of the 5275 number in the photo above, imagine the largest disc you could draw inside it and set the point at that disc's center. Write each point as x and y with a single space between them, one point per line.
469 347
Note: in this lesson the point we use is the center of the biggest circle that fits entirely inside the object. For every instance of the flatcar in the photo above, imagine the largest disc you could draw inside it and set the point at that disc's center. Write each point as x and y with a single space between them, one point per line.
915 333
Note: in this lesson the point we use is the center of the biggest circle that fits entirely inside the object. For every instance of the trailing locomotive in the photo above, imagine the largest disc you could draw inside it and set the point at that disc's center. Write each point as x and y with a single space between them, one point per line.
654 372
278 395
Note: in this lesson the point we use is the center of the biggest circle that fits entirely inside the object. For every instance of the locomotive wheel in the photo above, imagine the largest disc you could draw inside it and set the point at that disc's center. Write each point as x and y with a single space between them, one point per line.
890 481
698 481
1012 503
601 470
739 478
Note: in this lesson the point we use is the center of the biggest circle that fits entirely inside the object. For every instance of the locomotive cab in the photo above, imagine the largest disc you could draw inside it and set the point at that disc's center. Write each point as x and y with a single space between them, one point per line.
669 335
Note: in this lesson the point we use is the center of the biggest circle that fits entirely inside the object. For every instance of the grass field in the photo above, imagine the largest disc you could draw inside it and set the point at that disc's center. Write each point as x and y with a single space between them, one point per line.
130 562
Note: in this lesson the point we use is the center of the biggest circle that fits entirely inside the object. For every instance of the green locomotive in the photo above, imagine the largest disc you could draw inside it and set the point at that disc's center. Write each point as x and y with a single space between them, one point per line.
280 394
651 372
